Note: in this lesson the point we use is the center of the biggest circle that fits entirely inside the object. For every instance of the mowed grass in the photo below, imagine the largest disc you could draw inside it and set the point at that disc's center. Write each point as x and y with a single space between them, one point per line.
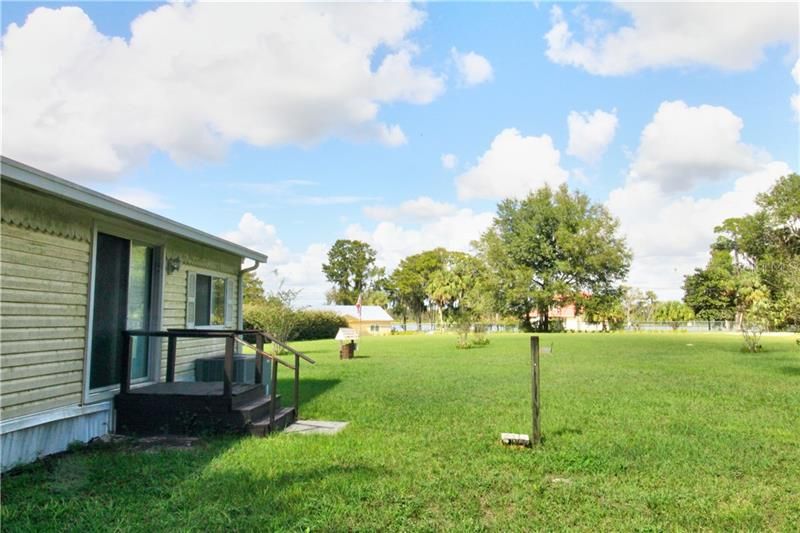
642 432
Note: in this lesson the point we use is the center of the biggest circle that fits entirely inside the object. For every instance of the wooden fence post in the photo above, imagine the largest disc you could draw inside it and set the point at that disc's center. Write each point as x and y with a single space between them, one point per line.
536 436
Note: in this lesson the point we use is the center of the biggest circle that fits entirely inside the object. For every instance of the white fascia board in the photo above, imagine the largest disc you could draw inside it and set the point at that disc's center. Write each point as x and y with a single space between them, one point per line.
42 181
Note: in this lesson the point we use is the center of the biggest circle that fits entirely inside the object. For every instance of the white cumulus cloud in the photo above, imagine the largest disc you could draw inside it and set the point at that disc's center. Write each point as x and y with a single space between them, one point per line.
256 234
684 145
285 269
393 242
730 36
449 161
513 166
473 69
670 234
796 97
195 77
590 134
668 228
419 209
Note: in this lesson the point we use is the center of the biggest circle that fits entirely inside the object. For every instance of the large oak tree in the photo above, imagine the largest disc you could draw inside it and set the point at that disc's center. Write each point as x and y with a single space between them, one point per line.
551 247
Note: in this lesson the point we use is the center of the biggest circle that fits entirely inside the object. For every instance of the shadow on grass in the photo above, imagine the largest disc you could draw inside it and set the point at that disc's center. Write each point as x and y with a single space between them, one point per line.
309 388
258 501
566 431
790 370
61 493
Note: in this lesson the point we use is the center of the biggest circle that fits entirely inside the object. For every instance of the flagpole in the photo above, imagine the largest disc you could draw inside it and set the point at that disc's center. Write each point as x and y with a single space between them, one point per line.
360 320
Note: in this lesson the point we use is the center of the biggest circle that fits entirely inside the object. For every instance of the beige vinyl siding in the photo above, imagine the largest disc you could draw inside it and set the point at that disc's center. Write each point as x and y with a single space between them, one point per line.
43 304
174 311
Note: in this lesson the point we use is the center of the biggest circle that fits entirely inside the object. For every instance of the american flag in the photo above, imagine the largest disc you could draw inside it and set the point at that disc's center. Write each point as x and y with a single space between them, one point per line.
358 306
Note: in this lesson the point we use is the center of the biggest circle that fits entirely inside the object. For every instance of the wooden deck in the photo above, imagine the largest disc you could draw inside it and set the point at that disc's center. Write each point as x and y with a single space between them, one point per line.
192 408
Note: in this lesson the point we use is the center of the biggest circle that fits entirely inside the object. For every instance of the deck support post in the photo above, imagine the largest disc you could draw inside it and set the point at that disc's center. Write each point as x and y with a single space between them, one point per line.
273 395
227 385
259 359
297 386
125 363
172 348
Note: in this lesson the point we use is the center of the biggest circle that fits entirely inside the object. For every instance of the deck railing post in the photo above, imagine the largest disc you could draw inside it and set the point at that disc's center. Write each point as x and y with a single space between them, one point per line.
227 385
259 359
125 363
297 386
172 349
273 394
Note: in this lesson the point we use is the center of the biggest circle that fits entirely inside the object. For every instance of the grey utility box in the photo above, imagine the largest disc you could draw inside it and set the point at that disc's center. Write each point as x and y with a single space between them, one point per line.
244 369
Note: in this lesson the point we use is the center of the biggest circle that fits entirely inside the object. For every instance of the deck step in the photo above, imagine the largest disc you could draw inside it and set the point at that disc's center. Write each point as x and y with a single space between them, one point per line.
257 409
248 395
283 417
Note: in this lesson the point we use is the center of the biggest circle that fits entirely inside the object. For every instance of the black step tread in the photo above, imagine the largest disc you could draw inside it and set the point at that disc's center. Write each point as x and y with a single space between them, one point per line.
254 393
258 402
279 413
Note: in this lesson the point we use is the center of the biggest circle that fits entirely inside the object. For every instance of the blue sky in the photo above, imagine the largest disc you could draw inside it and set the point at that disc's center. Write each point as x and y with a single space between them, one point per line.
287 127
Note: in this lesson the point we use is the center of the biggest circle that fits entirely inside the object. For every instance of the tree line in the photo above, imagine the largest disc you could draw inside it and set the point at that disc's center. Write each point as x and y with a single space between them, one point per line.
555 247
753 274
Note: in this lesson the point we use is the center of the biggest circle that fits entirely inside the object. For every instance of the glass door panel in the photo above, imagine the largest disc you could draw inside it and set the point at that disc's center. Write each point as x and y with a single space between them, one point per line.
110 301
138 312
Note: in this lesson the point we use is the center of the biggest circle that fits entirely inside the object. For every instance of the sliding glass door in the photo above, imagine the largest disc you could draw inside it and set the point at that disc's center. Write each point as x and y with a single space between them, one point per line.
123 289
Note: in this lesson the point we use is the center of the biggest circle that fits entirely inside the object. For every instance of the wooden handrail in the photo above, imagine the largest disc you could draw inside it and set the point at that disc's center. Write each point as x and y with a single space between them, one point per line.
286 347
184 332
263 353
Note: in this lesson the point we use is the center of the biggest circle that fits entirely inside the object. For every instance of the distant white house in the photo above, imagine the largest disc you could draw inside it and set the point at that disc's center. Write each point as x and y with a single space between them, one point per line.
374 319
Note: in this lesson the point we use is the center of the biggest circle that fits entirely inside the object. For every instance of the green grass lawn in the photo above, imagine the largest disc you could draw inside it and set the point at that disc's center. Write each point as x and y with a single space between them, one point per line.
642 431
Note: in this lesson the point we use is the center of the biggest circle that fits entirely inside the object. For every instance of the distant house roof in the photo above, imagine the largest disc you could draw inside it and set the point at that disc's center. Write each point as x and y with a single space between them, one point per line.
374 313
38 180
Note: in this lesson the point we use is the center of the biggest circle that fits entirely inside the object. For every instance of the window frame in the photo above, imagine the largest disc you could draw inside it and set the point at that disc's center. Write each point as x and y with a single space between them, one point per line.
228 300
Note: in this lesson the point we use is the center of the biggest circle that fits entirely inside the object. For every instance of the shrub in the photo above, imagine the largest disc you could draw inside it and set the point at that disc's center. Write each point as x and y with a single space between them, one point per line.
273 317
318 325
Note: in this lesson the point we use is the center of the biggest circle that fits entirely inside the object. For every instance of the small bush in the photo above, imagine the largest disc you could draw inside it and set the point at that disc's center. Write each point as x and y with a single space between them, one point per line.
313 325
271 316
480 340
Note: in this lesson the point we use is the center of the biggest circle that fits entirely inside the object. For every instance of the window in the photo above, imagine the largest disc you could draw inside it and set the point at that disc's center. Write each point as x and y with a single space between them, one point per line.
209 301
375 328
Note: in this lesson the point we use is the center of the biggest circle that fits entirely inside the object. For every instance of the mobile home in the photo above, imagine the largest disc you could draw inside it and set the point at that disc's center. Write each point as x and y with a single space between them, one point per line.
77 269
